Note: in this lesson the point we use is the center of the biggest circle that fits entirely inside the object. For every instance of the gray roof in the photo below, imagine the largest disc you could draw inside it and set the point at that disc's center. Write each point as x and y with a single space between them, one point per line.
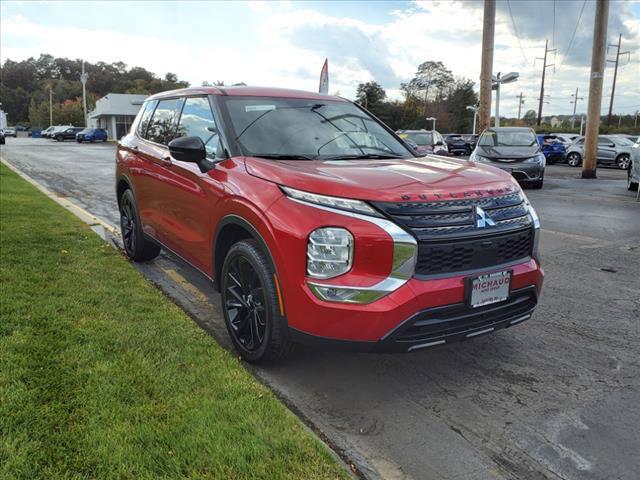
118 104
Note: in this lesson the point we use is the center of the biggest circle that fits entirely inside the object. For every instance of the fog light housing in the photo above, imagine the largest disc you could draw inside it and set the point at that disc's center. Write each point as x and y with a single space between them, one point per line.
329 252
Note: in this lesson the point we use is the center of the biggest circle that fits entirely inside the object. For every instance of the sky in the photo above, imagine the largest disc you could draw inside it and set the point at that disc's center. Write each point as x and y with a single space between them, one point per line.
284 44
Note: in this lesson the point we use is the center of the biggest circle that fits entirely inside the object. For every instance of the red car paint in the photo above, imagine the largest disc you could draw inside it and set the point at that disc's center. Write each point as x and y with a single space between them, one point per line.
181 208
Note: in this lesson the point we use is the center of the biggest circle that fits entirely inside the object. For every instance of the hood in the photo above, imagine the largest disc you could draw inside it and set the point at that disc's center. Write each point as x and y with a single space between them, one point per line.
417 179
508 153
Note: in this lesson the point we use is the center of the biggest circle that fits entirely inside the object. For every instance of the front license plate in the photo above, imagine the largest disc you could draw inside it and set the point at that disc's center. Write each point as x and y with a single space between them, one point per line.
490 288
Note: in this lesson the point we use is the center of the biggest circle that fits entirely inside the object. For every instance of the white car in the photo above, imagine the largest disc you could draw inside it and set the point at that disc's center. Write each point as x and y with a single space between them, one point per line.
10 132
633 173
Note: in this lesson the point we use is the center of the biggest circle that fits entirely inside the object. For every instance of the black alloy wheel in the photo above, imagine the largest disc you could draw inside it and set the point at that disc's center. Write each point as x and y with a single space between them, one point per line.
128 224
252 305
245 304
137 247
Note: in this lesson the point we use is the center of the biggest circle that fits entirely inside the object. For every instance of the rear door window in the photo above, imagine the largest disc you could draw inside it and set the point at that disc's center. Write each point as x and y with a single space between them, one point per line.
162 127
197 121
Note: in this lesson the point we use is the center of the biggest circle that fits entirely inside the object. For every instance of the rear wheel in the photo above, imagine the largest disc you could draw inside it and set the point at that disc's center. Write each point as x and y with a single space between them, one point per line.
59 138
251 305
623 161
574 159
137 248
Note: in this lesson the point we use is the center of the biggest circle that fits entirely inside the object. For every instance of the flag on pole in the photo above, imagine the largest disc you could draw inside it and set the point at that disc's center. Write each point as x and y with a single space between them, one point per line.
324 78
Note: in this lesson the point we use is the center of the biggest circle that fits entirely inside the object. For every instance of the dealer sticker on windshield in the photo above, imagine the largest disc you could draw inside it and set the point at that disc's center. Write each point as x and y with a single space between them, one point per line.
490 288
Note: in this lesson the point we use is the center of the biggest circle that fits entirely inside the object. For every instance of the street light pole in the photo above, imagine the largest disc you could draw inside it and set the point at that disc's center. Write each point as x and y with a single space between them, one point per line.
497 81
434 121
474 109
83 78
497 120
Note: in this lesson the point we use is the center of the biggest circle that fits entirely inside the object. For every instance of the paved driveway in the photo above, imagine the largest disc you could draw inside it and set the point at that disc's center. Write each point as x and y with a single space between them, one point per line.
556 397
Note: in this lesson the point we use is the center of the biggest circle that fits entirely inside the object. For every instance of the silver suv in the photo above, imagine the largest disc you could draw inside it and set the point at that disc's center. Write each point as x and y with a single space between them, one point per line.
612 150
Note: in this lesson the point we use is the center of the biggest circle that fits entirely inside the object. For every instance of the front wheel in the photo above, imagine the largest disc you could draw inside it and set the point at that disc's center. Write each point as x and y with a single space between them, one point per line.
251 305
59 139
574 159
138 249
623 161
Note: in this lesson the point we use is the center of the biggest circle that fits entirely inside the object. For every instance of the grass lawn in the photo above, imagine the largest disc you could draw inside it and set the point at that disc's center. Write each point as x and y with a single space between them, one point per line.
102 377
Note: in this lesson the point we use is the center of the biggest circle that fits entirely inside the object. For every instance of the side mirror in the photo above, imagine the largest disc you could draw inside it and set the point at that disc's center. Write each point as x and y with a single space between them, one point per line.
190 149
187 149
439 144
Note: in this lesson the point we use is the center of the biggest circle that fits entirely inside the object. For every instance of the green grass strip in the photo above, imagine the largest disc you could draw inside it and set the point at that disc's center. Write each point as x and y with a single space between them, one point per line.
103 377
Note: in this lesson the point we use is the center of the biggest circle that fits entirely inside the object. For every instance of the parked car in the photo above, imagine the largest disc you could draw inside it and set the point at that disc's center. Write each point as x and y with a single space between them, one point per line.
45 133
565 138
22 128
631 138
10 132
514 150
321 229
2 140
428 141
553 150
456 144
92 135
50 131
68 133
633 172
472 140
612 150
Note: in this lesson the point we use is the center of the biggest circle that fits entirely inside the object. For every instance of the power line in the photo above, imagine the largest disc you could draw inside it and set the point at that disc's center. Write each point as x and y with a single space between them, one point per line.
574 34
515 29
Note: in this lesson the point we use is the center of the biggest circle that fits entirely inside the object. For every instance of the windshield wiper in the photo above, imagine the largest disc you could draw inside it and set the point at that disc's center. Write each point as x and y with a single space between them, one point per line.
366 156
283 156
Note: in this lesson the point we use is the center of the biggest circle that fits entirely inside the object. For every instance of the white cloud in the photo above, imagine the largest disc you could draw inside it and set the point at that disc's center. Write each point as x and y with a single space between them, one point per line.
292 41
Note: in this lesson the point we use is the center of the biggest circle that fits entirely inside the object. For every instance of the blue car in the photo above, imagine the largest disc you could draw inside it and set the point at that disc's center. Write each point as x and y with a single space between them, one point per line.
92 135
552 148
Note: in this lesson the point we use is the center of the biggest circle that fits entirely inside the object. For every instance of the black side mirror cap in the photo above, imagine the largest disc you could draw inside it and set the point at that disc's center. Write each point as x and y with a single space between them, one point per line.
187 149
439 143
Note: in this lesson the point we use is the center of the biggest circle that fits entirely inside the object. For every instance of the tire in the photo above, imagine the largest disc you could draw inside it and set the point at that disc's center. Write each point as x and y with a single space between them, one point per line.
79 141
623 161
574 159
138 249
631 185
251 306
59 138
104 140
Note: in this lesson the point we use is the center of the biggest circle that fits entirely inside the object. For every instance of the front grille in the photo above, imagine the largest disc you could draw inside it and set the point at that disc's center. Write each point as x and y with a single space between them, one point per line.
449 239
444 323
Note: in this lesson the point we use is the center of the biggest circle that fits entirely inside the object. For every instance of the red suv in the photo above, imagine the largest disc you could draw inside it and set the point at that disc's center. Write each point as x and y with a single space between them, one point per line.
319 225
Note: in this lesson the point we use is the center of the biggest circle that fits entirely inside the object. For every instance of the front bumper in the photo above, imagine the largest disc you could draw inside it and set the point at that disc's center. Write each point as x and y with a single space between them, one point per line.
442 325
522 171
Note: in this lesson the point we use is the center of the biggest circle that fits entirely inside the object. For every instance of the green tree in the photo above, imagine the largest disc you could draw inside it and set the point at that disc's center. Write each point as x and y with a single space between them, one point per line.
430 81
370 95
530 117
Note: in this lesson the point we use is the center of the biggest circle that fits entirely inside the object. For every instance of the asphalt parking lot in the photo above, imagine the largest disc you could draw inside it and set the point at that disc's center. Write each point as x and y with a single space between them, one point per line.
557 397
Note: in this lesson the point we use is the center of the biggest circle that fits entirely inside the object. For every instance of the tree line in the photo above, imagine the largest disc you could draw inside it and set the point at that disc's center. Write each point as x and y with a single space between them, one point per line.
25 86
433 92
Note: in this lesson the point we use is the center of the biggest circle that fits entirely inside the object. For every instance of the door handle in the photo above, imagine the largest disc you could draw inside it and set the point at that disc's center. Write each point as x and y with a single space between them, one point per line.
166 161
135 148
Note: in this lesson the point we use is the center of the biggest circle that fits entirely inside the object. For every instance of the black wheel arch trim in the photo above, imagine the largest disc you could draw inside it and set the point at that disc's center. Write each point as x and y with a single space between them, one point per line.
124 178
233 219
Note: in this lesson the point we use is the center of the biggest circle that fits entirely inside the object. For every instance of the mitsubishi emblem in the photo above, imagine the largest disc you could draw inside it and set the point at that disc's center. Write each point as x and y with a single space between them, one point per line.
482 220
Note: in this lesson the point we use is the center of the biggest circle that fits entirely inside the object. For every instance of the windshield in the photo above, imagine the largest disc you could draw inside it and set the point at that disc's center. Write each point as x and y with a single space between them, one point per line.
511 138
308 129
419 138
623 141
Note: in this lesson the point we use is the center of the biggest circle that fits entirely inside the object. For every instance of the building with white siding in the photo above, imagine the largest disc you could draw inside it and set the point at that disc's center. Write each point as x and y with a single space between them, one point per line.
115 112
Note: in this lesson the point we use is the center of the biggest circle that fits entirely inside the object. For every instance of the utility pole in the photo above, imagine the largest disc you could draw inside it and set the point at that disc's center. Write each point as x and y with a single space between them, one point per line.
595 89
520 103
635 123
615 73
544 72
486 69
50 105
83 78
575 104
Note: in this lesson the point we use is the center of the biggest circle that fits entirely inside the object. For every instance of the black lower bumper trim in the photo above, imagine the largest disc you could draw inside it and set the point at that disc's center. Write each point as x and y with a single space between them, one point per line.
439 325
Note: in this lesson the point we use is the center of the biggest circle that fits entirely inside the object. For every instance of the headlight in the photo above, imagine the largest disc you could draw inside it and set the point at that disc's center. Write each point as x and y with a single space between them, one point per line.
329 252
332 202
536 227
539 158
478 158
